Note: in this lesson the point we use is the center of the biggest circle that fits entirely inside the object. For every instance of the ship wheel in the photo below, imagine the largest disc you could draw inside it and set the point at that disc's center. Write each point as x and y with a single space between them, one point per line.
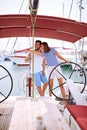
72 71
6 83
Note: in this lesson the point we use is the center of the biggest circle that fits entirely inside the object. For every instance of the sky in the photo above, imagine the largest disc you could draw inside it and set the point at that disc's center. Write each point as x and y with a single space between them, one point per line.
58 8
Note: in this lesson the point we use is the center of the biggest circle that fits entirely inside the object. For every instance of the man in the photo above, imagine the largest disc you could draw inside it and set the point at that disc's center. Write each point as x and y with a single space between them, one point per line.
39 69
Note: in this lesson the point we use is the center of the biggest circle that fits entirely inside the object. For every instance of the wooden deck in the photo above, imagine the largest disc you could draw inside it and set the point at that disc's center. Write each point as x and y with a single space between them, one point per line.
6 110
22 113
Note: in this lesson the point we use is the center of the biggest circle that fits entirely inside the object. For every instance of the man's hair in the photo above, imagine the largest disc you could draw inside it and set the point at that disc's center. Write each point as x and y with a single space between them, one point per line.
38 41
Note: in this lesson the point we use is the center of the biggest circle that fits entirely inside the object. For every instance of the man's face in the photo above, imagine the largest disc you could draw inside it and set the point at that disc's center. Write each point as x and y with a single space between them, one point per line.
37 46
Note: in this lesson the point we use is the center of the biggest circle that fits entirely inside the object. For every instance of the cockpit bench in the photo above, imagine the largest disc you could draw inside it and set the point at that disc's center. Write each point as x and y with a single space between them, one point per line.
79 113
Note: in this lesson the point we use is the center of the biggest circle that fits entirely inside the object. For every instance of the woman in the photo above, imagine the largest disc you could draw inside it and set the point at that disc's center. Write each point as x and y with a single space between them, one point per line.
51 58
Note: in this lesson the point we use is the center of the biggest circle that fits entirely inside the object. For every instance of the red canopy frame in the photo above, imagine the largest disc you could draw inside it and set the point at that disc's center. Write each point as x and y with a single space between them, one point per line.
19 25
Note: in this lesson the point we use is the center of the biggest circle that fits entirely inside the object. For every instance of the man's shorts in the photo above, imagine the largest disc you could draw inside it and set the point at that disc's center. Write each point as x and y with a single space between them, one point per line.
39 78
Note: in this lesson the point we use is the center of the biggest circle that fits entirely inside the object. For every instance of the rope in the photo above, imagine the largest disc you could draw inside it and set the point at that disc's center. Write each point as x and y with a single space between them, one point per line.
33 21
32 29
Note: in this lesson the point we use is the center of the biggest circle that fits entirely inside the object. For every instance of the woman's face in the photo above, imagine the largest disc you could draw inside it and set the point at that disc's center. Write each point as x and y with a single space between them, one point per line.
42 48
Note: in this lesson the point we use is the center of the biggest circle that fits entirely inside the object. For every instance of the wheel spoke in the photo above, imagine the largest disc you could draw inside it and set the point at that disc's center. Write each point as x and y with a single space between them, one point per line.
60 74
4 77
71 73
2 94
58 86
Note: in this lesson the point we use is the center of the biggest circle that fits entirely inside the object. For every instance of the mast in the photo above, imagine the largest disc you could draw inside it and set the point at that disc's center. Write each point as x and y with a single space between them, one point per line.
81 44
33 12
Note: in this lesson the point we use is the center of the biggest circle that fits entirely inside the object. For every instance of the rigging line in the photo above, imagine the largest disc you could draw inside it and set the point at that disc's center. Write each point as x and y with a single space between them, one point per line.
16 37
19 13
6 45
14 44
26 8
70 9
21 6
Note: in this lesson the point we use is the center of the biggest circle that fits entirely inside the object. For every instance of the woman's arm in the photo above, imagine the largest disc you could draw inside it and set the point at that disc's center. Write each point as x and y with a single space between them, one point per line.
60 57
43 66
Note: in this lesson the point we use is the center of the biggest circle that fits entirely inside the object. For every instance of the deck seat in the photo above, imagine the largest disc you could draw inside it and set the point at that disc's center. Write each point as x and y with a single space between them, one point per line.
77 110
79 113
82 123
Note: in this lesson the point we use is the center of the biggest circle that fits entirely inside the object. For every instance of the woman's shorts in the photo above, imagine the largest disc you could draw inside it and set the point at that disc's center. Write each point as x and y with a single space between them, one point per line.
55 72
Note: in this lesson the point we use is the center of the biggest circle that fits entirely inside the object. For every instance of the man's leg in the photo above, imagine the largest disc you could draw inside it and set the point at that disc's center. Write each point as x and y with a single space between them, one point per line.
40 91
43 79
44 87
37 82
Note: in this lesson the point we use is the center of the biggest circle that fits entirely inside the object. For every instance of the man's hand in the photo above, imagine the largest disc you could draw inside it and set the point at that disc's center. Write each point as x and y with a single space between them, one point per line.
43 72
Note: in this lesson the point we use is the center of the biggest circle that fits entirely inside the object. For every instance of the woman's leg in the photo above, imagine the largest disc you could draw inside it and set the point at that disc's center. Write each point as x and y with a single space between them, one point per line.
51 86
44 87
60 80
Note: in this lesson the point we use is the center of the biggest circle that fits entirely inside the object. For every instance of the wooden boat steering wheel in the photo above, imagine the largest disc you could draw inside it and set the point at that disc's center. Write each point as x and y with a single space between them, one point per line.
6 83
72 71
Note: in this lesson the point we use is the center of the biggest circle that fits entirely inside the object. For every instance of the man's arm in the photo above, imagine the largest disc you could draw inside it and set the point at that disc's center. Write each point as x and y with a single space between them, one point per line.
35 52
28 58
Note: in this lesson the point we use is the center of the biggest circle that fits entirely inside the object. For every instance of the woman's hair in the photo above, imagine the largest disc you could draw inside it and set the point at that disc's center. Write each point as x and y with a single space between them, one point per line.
46 47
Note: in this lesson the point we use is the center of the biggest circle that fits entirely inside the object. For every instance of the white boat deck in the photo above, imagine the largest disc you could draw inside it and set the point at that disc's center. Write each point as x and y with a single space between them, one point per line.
21 112
6 110
25 110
